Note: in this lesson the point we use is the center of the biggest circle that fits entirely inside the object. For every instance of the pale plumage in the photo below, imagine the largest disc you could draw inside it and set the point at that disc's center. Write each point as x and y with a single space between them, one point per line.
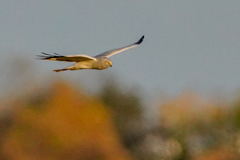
99 62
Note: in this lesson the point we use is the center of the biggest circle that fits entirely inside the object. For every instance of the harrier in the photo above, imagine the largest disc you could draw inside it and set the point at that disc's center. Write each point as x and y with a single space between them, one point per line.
99 62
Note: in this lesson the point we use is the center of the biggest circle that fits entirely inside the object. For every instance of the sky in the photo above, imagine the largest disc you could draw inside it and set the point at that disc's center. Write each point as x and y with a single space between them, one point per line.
189 44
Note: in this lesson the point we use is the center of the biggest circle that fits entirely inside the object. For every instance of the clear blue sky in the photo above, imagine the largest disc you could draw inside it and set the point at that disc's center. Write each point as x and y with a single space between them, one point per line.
188 44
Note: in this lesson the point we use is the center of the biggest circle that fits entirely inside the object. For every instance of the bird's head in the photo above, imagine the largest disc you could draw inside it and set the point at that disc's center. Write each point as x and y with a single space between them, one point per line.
107 62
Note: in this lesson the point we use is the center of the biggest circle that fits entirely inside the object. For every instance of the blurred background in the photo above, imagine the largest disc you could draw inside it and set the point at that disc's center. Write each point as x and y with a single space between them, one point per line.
174 97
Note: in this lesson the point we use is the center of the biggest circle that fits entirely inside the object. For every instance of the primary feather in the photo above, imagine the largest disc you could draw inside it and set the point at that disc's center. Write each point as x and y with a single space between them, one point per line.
68 58
115 51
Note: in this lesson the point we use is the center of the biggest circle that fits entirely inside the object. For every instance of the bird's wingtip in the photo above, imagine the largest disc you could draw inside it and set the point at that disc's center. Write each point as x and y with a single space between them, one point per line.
140 40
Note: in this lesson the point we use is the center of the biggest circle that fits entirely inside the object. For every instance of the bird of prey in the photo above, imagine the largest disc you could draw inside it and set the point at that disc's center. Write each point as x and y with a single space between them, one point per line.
99 62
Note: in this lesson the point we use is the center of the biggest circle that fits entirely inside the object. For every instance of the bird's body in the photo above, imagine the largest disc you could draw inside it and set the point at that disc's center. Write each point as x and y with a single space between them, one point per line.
99 62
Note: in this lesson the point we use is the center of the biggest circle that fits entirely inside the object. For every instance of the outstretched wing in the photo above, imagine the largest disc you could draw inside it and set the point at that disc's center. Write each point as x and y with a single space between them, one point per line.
68 58
115 51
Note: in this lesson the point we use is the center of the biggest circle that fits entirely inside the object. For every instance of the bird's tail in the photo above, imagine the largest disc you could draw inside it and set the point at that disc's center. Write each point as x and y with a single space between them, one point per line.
65 69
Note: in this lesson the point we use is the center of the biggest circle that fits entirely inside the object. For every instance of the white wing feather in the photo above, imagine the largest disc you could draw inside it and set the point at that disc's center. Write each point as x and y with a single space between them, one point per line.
115 51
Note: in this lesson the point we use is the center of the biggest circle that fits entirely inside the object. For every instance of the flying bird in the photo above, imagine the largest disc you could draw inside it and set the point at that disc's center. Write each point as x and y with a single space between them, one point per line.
99 62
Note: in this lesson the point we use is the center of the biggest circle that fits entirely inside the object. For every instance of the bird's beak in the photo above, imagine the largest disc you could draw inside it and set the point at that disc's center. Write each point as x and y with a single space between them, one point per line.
110 65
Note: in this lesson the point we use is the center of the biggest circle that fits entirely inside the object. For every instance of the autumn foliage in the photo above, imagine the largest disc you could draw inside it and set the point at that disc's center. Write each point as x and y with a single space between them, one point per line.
61 122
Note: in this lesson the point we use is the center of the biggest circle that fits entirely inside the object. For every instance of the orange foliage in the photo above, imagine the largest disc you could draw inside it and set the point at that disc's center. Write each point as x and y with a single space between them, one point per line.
219 154
66 125
187 108
202 128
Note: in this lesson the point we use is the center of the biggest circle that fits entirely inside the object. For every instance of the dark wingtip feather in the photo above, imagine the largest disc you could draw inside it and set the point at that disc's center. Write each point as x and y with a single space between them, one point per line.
57 54
140 40
47 56
42 57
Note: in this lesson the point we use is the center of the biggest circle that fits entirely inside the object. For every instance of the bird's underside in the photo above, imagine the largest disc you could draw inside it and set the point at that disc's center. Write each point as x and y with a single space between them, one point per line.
100 61
88 64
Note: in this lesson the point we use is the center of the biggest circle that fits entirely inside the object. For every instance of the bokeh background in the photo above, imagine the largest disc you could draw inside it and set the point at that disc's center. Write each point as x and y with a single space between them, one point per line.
174 97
